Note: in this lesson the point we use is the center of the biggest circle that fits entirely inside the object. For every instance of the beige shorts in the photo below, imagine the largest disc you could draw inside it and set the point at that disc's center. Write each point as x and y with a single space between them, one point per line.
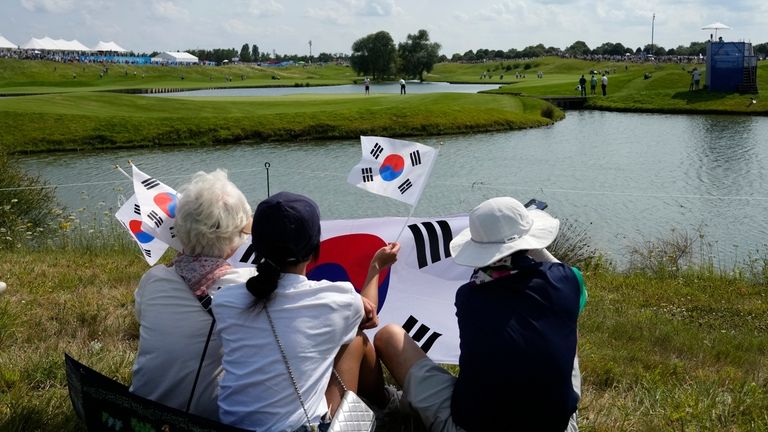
428 387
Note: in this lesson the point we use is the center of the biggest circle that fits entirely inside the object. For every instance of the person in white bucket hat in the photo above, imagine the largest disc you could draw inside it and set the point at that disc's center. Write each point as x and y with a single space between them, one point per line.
517 319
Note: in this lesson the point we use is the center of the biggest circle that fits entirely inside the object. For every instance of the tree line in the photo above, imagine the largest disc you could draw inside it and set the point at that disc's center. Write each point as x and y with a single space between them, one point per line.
377 56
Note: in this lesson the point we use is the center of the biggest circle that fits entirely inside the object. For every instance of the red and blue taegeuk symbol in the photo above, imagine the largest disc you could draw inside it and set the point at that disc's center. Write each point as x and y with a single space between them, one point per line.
391 167
142 236
347 258
167 203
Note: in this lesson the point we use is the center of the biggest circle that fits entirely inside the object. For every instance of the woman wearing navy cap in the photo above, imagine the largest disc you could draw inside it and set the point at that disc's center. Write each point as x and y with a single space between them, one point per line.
280 321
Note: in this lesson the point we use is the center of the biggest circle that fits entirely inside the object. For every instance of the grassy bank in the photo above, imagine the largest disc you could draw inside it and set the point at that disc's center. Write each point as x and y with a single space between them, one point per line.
682 351
37 77
666 90
103 120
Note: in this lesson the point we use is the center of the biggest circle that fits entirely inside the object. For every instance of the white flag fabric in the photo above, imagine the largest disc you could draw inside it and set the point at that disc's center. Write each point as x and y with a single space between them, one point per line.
129 216
393 168
417 292
158 206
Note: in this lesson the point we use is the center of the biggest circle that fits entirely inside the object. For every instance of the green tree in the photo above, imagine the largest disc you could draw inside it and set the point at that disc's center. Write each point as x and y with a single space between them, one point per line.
578 48
324 57
760 49
534 51
374 55
245 54
418 55
254 52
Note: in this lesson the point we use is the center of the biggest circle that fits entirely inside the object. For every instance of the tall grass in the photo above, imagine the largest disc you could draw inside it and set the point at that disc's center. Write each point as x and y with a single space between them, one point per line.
671 343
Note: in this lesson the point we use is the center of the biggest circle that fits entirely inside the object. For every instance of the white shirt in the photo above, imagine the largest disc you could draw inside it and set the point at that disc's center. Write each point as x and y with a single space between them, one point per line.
605 80
313 319
173 328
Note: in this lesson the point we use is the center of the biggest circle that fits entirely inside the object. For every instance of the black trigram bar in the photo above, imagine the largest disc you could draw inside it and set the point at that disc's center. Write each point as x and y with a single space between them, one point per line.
404 186
137 209
156 219
172 231
367 174
150 183
432 242
148 253
376 150
422 331
415 158
249 256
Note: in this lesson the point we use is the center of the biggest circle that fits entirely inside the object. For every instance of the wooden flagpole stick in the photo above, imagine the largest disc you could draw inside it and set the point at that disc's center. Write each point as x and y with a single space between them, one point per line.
408 219
121 170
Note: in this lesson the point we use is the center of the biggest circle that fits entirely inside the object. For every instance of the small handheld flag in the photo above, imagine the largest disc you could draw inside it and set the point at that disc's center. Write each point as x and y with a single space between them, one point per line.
158 206
129 216
393 168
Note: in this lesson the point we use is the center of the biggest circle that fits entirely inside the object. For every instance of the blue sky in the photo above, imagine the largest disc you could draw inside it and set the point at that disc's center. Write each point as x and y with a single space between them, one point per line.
287 26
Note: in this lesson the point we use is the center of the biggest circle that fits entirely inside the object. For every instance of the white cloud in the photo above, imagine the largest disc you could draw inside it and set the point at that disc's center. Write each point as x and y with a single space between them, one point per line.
343 12
265 8
168 9
377 8
331 13
51 6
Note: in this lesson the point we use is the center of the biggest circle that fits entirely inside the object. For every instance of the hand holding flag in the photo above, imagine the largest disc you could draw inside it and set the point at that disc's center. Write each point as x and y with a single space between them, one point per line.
393 168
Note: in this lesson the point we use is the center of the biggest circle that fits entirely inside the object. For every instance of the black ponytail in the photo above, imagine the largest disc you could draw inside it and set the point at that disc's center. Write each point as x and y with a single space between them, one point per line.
264 284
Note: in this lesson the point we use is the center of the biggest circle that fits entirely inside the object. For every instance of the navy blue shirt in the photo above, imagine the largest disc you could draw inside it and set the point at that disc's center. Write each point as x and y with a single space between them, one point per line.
518 342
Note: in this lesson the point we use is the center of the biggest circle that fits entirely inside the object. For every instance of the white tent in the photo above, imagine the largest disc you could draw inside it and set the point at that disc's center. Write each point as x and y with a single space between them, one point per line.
49 44
108 47
36 44
5 43
175 57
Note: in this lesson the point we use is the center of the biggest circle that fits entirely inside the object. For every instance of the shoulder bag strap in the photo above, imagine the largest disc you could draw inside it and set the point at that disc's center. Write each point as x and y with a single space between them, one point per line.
202 360
288 368
205 302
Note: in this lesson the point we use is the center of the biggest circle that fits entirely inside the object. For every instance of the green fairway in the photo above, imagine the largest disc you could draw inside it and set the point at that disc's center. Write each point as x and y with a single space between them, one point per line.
104 120
69 106
666 90
35 77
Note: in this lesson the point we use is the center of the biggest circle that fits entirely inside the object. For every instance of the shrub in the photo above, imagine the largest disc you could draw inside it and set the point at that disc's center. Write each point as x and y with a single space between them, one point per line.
573 246
548 111
27 205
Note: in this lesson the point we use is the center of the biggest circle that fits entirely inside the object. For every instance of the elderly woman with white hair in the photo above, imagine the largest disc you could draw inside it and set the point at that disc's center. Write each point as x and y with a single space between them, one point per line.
173 301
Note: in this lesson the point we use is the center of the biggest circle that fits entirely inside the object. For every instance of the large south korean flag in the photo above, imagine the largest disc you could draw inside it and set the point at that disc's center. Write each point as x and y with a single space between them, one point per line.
417 292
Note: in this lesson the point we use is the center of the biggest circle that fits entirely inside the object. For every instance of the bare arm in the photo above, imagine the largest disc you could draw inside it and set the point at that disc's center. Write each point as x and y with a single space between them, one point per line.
384 258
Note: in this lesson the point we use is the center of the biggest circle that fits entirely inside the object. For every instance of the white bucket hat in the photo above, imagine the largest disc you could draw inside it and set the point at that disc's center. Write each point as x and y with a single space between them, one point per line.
499 227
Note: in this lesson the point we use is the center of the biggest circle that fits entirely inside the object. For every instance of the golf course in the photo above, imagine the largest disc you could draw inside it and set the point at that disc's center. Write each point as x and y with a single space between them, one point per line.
61 107
675 341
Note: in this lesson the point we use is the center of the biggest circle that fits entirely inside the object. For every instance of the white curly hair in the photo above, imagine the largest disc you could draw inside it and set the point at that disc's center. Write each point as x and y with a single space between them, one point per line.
212 215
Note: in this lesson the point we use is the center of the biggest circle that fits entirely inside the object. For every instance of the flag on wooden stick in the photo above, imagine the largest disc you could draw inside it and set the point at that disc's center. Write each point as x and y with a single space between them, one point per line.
393 168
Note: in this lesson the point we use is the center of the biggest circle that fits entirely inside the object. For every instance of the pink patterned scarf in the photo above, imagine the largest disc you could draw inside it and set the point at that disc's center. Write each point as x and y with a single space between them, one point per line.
200 272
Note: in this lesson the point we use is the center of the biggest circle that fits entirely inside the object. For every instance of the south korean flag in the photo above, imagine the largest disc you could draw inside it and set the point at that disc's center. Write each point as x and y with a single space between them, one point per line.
393 168
145 237
158 206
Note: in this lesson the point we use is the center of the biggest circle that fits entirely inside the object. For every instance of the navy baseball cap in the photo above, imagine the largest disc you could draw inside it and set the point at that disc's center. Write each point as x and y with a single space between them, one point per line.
286 228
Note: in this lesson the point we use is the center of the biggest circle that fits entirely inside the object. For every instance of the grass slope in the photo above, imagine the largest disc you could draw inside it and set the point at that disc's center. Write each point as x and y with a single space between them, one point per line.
628 90
103 120
23 77
671 351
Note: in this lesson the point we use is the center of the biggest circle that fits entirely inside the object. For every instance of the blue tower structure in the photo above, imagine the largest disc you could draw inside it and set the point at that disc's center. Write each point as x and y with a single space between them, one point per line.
731 67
